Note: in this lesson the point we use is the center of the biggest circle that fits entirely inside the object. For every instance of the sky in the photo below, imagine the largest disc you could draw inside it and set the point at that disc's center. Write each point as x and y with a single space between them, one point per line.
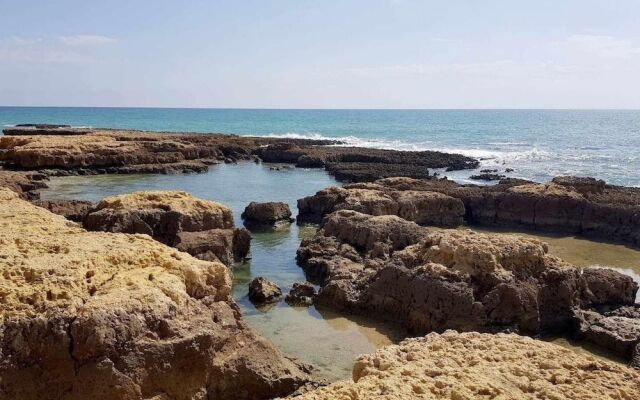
321 54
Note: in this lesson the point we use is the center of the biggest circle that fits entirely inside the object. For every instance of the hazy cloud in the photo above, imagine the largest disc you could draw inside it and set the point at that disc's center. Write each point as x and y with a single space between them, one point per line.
601 45
85 40
55 50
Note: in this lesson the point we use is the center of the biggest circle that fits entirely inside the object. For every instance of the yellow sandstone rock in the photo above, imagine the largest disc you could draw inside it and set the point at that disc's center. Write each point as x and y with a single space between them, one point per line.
469 366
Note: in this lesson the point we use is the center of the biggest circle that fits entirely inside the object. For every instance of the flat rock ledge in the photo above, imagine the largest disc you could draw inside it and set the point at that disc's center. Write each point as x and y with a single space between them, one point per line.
388 268
104 151
95 315
573 205
468 366
199 227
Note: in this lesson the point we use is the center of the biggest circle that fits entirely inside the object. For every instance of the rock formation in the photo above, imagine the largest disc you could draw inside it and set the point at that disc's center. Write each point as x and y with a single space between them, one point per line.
432 280
113 151
25 184
582 206
481 366
200 227
422 207
301 294
262 290
95 315
266 214
74 210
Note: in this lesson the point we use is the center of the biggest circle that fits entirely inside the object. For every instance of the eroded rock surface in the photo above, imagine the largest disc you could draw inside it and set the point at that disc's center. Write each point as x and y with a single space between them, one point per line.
301 294
96 315
262 291
25 184
115 151
573 205
202 228
432 280
266 214
481 366
422 207
74 210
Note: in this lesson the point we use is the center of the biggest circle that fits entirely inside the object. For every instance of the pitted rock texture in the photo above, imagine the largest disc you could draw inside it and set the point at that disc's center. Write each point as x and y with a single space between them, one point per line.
582 206
25 184
466 366
95 315
266 214
74 210
422 207
114 151
301 294
262 290
432 280
202 228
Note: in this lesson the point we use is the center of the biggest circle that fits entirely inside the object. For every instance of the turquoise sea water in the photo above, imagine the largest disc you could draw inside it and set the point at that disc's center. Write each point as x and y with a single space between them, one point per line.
538 144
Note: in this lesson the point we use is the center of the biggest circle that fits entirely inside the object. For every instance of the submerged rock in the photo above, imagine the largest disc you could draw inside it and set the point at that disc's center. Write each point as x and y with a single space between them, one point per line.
202 228
95 315
474 366
262 290
266 214
428 280
301 294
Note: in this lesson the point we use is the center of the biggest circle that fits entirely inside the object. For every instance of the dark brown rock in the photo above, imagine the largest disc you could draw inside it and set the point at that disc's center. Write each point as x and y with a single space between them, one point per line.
26 184
301 294
262 291
266 214
74 210
225 245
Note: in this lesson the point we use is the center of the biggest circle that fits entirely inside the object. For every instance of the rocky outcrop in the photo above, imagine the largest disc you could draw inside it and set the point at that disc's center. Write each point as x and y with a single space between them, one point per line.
95 315
582 206
200 227
113 151
422 207
478 366
45 129
432 280
266 214
358 164
74 210
25 184
262 291
301 294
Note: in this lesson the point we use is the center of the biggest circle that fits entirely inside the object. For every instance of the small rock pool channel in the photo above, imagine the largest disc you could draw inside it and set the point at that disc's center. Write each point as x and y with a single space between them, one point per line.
328 341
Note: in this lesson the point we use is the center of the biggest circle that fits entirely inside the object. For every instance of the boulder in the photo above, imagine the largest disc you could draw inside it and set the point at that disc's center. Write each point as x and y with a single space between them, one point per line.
266 214
262 291
427 280
96 315
478 366
301 294
202 228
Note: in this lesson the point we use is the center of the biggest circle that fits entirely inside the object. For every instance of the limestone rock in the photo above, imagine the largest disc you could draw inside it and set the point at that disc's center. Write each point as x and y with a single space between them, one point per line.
25 184
74 210
430 280
262 290
301 294
477 366
266 214
96 315
224 245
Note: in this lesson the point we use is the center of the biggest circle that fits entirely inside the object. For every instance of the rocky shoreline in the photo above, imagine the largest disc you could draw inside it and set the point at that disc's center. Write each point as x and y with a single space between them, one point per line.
113 306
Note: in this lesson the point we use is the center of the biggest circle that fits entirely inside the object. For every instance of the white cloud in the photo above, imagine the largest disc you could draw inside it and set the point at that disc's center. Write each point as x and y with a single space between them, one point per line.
85 40
601 45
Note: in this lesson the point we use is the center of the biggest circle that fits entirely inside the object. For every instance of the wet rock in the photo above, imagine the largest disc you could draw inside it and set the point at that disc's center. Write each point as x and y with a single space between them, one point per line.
74 210
45 129
202 228
427 280
474 366
301 294
96 315
266 214
422 207
262 290
487 177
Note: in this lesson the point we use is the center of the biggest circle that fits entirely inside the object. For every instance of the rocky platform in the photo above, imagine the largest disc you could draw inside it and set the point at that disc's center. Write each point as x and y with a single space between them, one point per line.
25 184
463 366
94 315
428 280
113 151
582 206
202 228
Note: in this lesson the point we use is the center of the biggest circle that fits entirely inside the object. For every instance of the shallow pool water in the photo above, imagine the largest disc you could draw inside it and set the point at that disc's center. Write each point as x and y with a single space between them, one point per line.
327 341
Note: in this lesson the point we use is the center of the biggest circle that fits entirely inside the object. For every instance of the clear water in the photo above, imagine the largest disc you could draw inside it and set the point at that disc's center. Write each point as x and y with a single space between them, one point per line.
538 144
321 338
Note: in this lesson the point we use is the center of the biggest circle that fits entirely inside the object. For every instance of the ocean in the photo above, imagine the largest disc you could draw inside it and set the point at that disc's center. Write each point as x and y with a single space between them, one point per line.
537 144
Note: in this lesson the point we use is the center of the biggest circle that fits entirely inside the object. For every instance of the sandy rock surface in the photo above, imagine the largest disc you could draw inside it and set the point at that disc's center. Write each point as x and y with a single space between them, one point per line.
469 366
95 315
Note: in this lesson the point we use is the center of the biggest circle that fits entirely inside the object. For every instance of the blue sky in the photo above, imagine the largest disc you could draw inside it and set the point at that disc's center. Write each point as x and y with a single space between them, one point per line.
321 54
